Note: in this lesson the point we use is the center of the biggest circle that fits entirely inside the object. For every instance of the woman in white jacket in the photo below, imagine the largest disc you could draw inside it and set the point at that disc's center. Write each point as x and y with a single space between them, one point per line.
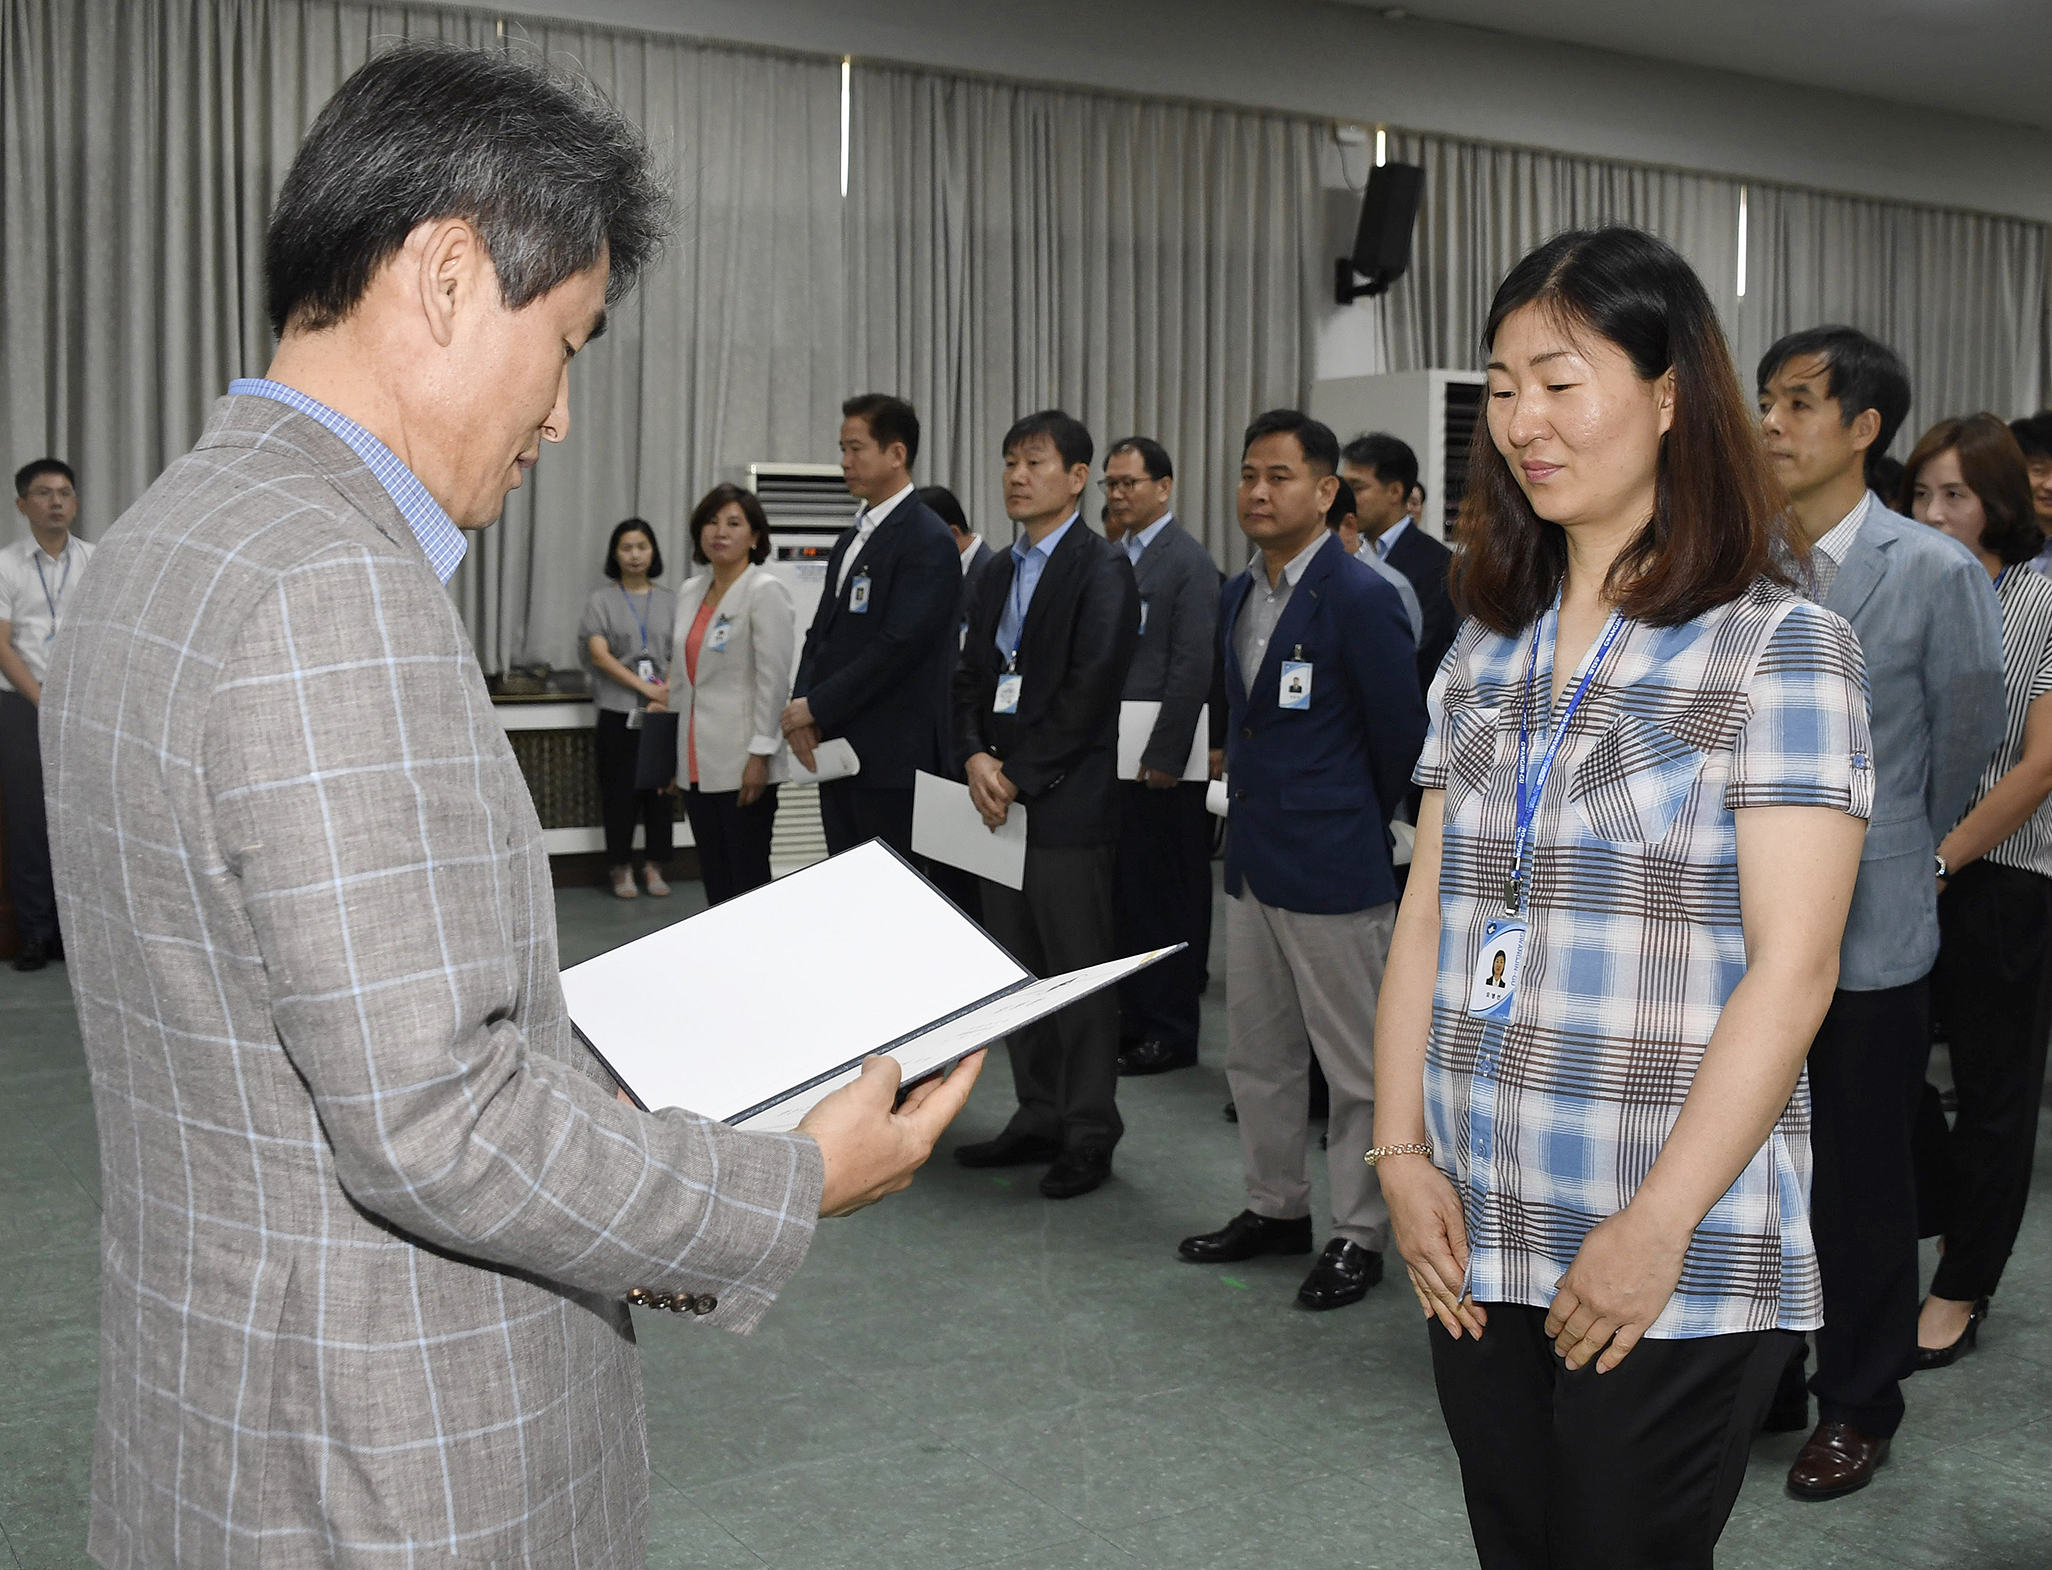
736 641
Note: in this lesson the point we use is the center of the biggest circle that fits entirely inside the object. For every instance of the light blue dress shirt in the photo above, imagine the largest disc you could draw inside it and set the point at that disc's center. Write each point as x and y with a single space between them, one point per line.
438 536
1028 563
1136 544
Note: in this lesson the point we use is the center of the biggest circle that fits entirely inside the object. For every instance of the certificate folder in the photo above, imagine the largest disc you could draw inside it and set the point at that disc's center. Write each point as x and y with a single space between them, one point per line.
753 1011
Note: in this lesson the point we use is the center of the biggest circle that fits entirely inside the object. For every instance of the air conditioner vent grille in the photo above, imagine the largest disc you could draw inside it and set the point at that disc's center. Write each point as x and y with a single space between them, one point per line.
1463 410
802 490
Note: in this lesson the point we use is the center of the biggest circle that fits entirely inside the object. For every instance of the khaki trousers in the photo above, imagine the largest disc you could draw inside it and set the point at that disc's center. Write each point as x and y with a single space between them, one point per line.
1298 984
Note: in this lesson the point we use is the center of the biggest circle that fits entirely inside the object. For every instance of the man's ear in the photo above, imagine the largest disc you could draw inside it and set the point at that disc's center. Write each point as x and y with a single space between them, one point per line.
1328 489
1079 476
1866 427
452 268
21 505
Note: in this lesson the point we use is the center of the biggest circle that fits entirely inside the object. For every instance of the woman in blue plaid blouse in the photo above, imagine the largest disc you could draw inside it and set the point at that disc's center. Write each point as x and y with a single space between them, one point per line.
1646 789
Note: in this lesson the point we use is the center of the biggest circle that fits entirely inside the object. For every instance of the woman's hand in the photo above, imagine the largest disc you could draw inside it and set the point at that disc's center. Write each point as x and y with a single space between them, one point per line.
1619 1282
1425 1216
754 779
657 693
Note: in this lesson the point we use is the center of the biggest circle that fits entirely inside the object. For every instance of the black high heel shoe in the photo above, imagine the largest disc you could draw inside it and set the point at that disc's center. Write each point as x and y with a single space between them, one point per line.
1968 1339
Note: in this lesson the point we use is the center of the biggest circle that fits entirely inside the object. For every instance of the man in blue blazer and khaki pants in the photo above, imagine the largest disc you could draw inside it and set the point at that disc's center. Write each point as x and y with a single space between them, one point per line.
1326 721
1931 629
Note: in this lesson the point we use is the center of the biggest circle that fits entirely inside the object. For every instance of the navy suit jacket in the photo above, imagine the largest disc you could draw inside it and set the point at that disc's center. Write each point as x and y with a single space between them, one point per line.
1313 789
1426 562
871 676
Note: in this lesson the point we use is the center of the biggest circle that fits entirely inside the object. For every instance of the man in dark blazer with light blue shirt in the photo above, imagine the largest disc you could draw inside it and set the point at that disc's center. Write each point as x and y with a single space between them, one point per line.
1931 629
1326 721
1163 879
1036 725
883 639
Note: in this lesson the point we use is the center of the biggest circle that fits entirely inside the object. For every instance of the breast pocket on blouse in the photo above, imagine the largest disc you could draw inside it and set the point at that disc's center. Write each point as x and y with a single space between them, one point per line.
1634 781
1470 755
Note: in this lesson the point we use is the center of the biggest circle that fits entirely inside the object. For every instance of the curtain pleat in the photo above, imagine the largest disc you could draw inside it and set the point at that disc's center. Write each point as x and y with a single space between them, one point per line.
141 143
1143 264
1156 267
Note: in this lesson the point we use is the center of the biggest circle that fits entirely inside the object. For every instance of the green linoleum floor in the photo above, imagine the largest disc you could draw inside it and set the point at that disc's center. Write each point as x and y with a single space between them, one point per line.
970 1375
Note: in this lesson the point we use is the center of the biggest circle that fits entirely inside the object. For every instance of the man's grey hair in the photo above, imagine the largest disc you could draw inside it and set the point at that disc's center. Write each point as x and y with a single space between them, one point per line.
549 172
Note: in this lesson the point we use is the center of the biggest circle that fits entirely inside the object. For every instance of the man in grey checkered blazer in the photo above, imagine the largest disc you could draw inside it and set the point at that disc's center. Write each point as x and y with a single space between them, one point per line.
373 1219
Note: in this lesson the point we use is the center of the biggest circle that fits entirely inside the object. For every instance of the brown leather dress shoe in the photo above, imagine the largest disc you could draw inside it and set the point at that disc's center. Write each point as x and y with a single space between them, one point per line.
1835 1460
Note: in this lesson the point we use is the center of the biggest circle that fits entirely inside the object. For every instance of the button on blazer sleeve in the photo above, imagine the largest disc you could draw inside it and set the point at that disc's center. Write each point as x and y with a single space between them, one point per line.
361 803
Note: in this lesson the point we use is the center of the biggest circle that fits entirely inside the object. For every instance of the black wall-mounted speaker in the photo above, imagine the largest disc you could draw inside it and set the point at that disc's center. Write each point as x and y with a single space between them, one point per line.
1382 241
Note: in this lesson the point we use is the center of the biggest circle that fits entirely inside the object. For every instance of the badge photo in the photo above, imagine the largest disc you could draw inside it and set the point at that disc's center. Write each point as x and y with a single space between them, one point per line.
1495 981
1296 685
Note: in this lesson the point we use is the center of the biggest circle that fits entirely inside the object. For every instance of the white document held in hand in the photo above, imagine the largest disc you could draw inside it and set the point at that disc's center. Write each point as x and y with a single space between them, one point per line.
1136 728
947 827
755 1010
834 760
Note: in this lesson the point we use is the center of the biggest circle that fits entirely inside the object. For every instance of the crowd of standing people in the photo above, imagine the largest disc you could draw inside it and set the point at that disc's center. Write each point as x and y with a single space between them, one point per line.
1721 780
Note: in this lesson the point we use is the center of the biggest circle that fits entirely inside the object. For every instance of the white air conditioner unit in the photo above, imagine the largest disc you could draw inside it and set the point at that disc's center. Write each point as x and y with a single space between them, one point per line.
808 505
1433 411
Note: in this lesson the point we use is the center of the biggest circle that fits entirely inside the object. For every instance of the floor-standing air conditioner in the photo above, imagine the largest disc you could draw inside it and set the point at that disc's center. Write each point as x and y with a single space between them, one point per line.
808 505
1434 411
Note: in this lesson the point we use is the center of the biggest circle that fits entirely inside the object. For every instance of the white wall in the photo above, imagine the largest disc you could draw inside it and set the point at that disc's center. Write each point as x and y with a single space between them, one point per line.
1323 58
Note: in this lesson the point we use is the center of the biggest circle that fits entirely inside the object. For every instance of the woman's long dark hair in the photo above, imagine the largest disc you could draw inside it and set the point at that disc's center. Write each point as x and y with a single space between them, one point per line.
1720 518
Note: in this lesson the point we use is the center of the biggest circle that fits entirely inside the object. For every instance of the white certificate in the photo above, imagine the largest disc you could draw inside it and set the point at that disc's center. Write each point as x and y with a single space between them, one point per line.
947 827
1136 729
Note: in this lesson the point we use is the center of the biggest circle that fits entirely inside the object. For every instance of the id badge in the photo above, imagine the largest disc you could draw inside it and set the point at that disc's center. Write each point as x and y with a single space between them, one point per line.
858 595
716 639
1495 982
1008 693
635 717
1296 685
1143 618
645 668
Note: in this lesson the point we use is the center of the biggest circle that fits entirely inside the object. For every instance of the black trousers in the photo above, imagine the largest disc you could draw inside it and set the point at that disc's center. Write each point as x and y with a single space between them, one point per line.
1866 1077
1630 1470
1161 893
29 883
1989 989
852 816
1065 1068
733 840
621 806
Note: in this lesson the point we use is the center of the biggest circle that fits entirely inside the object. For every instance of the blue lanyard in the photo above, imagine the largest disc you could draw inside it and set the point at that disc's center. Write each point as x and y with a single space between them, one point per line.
640 616
48 598
1528 800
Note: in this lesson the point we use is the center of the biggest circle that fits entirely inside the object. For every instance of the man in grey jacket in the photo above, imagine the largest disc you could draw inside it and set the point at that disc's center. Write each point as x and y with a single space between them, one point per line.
1931 629
373 1218
1162 888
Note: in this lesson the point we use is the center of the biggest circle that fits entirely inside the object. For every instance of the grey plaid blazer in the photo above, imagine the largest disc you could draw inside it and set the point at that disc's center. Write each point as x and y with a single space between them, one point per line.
370 1212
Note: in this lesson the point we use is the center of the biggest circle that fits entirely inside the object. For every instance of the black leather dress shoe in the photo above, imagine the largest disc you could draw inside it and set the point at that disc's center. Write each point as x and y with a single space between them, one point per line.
1245 1236
1969 1338
1008 1150
1836 1460
1077 1171
1154 1056
1343 1275
33 954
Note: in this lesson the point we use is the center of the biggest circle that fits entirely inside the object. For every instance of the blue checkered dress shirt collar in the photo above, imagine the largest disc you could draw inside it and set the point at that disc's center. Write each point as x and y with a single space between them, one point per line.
438 536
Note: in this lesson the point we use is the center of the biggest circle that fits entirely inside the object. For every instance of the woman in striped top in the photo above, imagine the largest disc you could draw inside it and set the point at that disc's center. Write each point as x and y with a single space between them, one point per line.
1968 477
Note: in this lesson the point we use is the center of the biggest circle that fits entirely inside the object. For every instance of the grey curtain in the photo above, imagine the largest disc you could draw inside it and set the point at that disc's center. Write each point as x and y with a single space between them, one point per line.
141 142
1963 296
1143 264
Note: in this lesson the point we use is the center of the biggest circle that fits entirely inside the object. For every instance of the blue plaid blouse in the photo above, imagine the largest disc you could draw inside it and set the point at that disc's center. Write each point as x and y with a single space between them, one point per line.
1548 1120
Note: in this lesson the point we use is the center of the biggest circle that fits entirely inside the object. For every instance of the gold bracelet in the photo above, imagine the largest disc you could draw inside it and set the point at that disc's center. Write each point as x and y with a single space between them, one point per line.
1382 1151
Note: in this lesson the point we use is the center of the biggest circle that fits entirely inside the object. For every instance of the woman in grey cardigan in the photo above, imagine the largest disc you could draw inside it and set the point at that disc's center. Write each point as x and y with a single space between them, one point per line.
624 642
736 637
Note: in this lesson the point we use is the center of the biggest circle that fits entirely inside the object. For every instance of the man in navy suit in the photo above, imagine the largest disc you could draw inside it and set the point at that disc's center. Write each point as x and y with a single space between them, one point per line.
1383 472
1325 725
883 640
